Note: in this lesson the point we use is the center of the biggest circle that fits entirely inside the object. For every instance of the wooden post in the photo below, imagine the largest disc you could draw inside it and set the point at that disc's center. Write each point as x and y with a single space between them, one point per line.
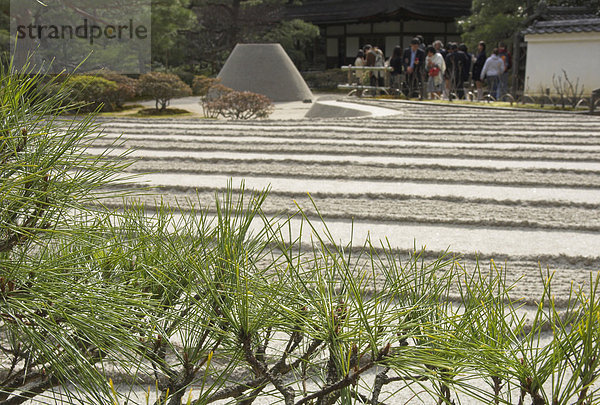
593 99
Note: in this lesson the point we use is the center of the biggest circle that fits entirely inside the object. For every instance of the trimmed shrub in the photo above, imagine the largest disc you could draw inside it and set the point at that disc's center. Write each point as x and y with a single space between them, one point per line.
128 88
210 101
245 105
242 105
163 87
202 84
92 92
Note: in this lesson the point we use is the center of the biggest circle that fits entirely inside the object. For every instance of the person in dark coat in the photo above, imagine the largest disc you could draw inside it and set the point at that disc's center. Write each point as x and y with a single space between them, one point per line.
455 63
478 67
466 69
396 64
413 60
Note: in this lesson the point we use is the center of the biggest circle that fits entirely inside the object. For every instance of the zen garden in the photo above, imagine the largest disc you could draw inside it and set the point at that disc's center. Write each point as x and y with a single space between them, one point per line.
217 202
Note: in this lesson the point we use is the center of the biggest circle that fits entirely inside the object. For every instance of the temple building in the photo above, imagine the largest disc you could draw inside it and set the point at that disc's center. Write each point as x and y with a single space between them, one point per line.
347 25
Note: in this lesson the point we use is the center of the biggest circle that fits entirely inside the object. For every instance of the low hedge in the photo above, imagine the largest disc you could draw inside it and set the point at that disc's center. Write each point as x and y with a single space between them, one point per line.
128 88
325 80
92 92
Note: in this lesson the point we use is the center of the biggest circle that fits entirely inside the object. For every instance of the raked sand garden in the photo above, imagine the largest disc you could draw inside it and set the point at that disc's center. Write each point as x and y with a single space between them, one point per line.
519 188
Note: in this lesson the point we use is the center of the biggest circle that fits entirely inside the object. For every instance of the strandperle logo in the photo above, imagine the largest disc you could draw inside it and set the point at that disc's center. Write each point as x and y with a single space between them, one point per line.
85 30
81 35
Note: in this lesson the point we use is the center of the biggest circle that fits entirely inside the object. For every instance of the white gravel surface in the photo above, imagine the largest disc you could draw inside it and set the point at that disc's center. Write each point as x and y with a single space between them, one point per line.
521 187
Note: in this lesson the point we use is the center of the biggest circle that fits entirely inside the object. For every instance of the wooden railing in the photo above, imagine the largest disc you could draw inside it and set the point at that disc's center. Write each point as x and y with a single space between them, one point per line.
354 80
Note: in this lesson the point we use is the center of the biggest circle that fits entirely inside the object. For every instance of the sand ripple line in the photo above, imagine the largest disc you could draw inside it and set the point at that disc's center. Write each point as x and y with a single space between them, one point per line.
348 171
303 185
493 161
417 210
201 142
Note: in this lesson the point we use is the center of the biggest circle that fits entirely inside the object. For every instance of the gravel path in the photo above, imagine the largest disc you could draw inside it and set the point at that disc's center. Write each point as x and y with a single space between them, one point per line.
520 187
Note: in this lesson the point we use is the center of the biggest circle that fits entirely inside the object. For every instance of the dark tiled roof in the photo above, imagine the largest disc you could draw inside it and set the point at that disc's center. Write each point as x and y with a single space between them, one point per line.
340 11
555 20
564 26
567 13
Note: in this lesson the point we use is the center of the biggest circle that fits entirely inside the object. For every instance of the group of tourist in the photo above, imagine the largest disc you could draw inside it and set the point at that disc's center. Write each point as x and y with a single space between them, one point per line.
438 71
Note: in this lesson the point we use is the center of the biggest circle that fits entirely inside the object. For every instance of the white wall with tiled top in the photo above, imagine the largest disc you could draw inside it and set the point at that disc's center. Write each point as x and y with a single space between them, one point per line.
578 54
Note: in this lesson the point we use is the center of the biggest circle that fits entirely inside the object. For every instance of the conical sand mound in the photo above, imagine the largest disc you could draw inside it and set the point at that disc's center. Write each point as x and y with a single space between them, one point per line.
264 69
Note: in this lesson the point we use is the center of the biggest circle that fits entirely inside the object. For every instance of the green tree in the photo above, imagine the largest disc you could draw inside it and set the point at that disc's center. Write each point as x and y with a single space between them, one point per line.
295 37
75 53
495 21
224 23
170 18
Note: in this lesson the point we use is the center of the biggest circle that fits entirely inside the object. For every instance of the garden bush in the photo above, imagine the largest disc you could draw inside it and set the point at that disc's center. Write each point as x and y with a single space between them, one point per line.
244 105
210 102
221 100
92 92
162 87
245 313
128 88
325 80
202 84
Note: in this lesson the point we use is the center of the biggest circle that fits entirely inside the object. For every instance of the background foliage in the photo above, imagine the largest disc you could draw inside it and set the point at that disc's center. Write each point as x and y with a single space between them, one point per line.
495 21
198 35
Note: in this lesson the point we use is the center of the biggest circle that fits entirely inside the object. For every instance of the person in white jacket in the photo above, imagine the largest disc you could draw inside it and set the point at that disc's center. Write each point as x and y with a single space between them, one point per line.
436 67
491 72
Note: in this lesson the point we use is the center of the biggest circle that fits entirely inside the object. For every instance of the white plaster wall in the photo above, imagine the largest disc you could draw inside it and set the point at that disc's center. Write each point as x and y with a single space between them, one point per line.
549 54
